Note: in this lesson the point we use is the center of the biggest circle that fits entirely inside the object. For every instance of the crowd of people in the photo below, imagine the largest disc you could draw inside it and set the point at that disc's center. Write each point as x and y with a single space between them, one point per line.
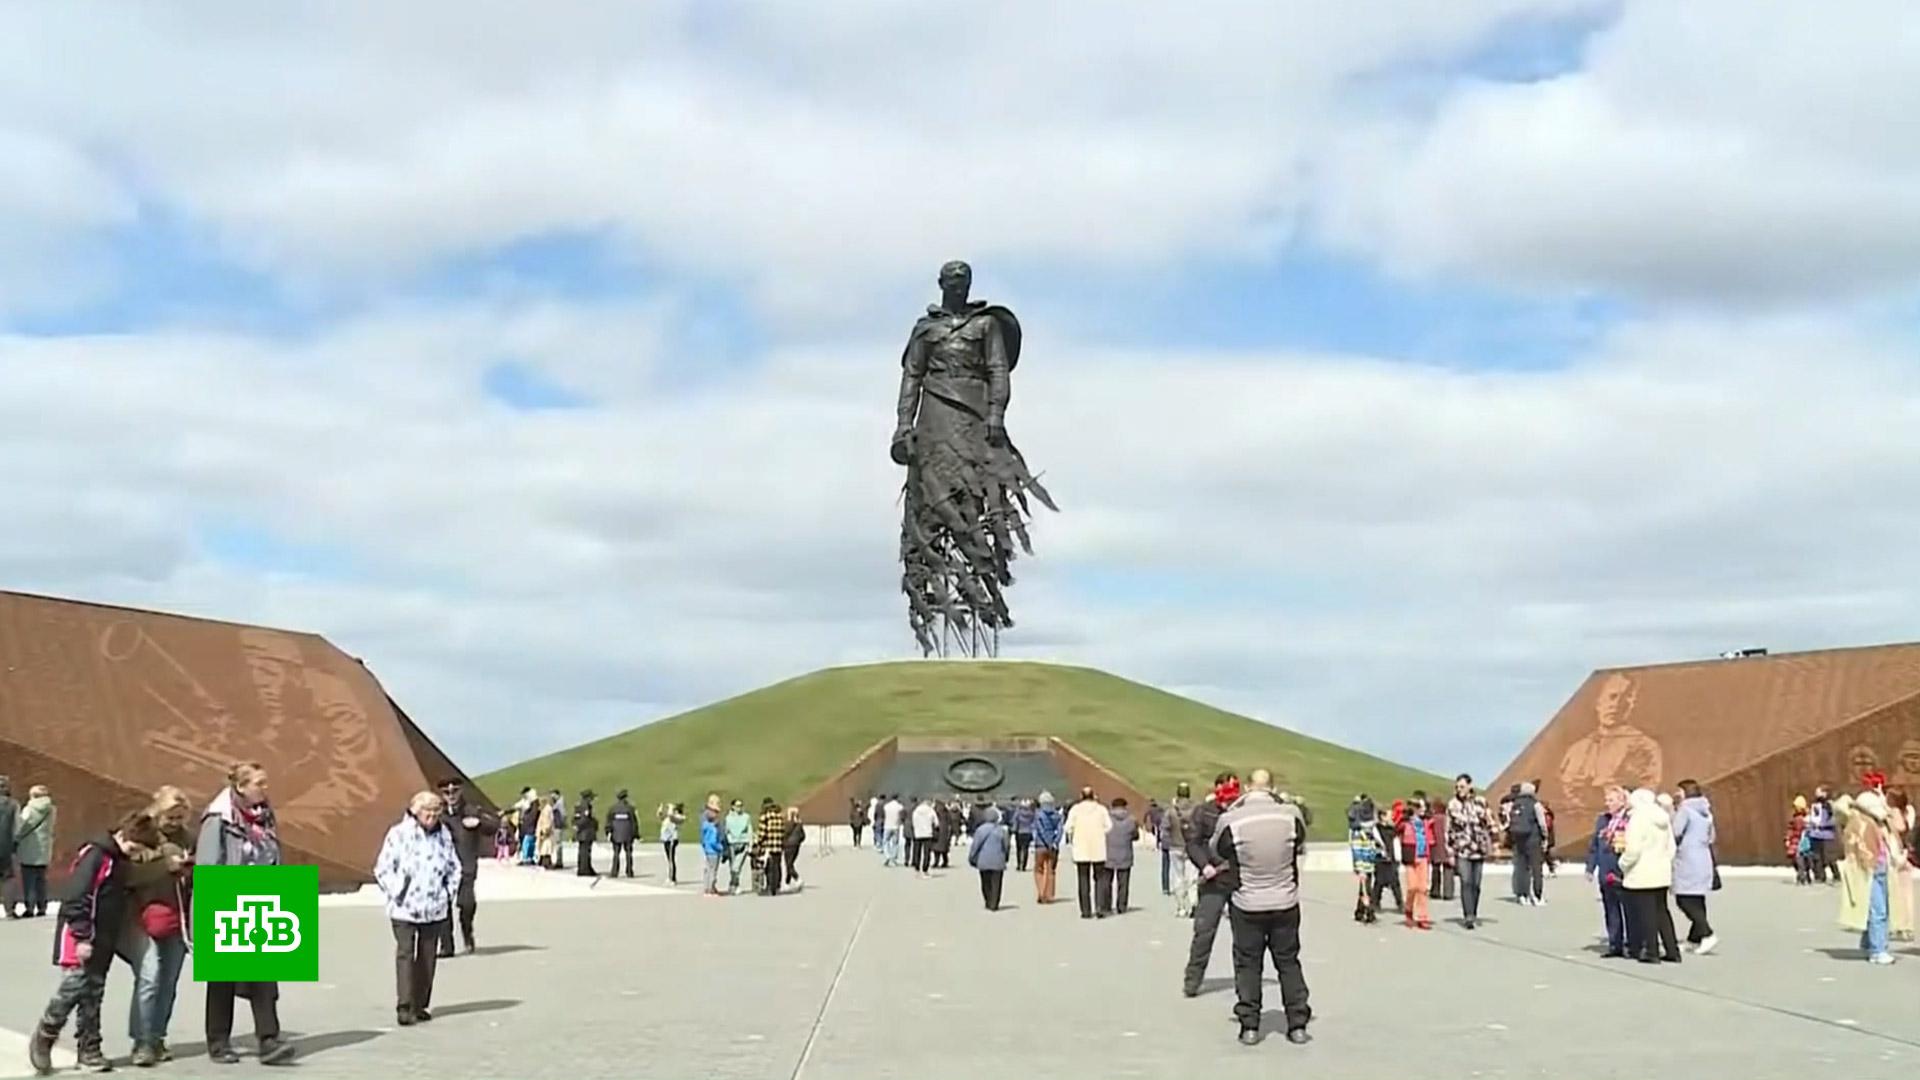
1232 854
126 896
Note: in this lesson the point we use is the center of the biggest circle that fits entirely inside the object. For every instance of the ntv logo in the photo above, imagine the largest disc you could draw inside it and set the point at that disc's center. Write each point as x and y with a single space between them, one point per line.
256 925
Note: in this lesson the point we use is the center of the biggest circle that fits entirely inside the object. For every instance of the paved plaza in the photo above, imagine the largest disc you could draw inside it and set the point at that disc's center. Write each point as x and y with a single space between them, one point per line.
869 973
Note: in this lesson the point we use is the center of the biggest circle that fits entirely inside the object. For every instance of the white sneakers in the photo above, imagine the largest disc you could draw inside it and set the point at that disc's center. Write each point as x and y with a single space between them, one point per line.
1707 944
1880 958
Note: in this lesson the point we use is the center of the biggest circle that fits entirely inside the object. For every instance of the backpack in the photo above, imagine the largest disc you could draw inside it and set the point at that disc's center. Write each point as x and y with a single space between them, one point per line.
1526 819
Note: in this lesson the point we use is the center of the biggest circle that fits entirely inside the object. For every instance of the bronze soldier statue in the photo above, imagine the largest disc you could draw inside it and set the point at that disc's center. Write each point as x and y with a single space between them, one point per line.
967 485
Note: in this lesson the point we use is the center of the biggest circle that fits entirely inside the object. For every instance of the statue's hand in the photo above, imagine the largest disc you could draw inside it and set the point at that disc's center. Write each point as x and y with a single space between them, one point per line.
996 436
902 449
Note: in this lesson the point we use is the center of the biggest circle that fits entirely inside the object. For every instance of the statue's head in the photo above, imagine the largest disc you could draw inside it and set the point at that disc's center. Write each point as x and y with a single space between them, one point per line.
956 277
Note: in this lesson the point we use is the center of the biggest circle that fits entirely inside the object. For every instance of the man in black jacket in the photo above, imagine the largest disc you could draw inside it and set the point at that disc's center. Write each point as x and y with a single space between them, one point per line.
9 821
623 825
1218 878
472 831
586 830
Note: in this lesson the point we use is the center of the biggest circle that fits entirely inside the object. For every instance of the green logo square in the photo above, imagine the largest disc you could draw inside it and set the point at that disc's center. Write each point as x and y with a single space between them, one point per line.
256 924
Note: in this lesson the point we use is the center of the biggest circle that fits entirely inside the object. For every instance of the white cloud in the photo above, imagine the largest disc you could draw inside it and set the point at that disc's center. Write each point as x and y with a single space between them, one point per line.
1463 545
860 142
1717 150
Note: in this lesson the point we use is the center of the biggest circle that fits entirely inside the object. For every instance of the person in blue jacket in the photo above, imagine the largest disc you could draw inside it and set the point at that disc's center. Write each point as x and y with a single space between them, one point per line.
713 846
1603 868
1049 828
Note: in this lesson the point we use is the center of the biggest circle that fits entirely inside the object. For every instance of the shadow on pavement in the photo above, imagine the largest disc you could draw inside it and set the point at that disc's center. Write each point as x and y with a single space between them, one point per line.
502 950
304 1045
460 1008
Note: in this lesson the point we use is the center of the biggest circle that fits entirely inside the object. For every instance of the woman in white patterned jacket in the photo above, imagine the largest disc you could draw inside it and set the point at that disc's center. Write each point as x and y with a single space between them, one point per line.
419 872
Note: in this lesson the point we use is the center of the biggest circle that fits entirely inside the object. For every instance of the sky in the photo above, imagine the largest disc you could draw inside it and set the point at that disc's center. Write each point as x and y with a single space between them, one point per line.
1393 366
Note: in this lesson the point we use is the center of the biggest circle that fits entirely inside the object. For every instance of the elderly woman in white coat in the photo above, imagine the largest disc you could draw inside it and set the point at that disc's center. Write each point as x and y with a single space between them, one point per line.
1647 862
419 872
1693 837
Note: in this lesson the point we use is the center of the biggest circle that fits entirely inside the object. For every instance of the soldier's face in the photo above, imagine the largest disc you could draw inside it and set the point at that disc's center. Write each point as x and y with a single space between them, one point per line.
1616 697
956 279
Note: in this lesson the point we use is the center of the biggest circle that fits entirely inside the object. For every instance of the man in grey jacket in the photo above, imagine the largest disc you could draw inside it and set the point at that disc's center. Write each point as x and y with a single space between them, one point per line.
1263 838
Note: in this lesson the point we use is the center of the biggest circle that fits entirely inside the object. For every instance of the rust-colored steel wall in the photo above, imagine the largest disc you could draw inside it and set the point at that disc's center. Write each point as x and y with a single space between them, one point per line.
1755 730
105 704
827 803
1082 771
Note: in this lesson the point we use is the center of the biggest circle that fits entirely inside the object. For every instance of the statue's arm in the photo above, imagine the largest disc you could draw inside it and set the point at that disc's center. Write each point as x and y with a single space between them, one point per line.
999 377
913 371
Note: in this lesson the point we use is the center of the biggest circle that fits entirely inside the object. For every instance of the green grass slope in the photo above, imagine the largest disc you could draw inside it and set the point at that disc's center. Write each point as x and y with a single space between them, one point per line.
784 739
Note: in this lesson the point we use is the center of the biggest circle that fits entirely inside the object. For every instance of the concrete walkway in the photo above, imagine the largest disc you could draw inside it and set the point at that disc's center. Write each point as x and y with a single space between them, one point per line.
870 973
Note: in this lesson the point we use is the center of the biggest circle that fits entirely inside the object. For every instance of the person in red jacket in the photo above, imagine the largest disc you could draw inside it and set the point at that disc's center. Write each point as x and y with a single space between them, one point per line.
1418 845
83 948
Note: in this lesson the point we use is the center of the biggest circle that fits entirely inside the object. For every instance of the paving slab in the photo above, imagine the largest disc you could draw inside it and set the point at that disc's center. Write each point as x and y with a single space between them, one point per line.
870 973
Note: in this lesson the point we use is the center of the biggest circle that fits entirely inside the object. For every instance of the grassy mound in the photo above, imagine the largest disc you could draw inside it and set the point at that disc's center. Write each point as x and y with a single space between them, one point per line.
784 739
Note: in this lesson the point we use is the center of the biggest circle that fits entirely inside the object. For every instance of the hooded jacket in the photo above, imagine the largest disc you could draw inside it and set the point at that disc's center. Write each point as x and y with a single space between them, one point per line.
418 871
989 848
1693 837
1049 827
1121 838
713 836
1648 858
94 906
33 832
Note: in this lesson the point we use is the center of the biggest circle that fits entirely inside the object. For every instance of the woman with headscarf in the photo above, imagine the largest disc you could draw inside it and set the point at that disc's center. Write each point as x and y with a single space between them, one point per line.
1870 852
154 941
1647 859
238 829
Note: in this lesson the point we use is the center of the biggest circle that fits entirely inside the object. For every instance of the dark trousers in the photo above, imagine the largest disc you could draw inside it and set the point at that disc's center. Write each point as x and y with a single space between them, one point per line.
1087 875
416 956
990 883
941 849
1472 873
1386 875
465 905
793 863
1613 904
1445 877
1103 888
585 864
1650 931
1166 872
33 889
913 851
1256 934
1207 909
1821 855
923 855
1528 878
856 834
1022 847
265 999
622 847
80 991
1695 909
672 848
770 876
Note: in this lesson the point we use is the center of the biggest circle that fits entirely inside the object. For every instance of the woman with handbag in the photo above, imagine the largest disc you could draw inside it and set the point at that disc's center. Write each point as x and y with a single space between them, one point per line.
1693 868
154 941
